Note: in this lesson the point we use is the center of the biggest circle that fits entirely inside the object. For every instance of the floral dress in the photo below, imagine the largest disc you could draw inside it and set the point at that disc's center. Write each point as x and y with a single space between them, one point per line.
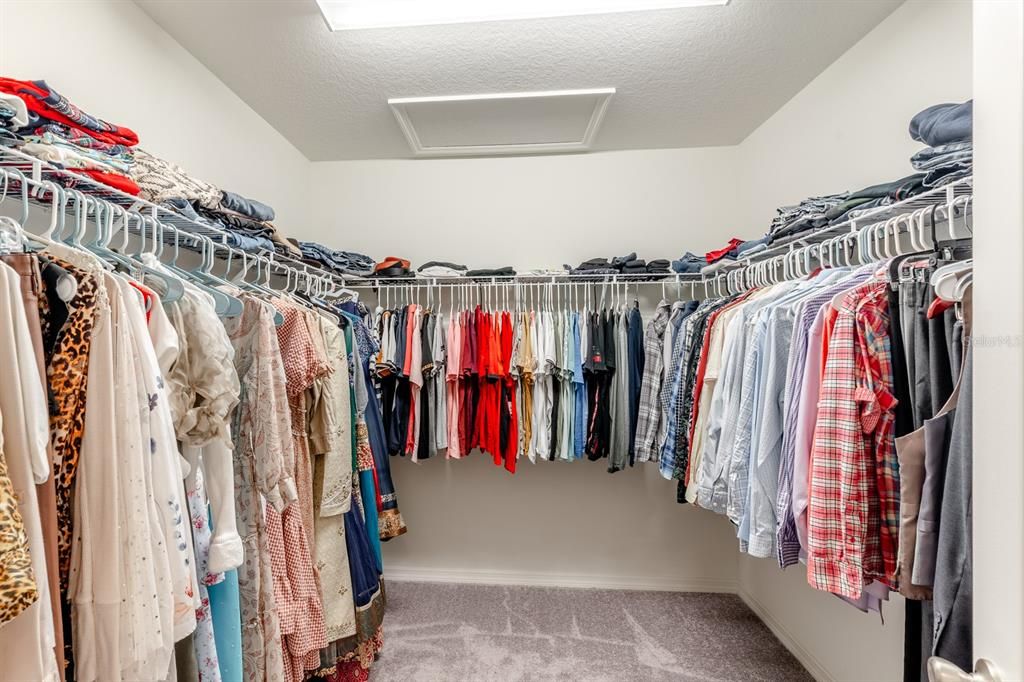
261 433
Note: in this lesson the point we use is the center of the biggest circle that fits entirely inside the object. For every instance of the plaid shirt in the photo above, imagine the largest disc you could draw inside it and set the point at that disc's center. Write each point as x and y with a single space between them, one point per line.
683 342
649 415
878 418
788 540
854 430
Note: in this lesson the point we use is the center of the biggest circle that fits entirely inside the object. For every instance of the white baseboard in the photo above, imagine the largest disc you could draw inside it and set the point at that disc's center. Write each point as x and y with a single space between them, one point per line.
806 658
433 575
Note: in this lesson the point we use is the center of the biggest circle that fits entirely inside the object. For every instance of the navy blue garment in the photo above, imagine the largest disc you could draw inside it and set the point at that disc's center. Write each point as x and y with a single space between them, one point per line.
362 560
635 353
944 123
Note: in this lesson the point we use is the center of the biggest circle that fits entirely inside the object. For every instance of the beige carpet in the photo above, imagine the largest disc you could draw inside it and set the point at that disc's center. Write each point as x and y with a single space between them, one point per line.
478 633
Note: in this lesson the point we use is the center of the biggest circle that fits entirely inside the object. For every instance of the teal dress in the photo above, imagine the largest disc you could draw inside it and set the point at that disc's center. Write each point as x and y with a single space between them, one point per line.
227 625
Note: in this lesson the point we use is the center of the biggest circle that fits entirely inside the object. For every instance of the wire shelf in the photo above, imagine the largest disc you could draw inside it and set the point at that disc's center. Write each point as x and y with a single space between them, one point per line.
39 172
944 201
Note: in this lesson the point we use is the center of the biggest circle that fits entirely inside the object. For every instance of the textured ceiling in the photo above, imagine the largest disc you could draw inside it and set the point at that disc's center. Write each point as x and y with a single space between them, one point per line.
685 78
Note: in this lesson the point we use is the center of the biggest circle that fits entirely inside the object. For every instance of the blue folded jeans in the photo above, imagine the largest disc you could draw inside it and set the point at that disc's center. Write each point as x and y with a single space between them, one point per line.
346 262
247 207
688 264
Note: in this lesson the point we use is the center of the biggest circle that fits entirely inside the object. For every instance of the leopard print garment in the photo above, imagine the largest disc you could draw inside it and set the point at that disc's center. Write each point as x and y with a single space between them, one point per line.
17 581
67 372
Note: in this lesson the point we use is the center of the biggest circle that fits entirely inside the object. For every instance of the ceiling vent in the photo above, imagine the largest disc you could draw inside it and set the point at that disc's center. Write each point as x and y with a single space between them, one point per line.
510 123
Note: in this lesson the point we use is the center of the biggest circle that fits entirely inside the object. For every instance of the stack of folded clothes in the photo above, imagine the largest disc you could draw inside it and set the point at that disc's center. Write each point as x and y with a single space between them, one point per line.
249 218
392 267
245 220
809 214
874 196
436 268
53 129
658 268
688 264
620 265
506 271
947 129
594 266
344 262
253 243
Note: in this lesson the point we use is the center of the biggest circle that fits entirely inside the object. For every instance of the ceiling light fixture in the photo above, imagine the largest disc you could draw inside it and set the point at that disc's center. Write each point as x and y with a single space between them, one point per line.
344 15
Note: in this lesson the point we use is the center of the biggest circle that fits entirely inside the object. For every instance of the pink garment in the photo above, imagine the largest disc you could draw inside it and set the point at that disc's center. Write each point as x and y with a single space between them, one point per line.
407 370
416 382
302 617
453 372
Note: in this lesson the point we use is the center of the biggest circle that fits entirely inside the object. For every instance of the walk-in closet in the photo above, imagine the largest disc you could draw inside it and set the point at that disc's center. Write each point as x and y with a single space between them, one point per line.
511 340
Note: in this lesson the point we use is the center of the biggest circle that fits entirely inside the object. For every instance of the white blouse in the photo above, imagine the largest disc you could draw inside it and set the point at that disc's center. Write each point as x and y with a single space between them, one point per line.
165 473
146 606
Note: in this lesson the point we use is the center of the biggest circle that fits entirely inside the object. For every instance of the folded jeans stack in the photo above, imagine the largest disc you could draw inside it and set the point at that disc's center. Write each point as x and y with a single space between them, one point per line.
247 207
809 214
688 264
947 129
343 262
250 218
251 243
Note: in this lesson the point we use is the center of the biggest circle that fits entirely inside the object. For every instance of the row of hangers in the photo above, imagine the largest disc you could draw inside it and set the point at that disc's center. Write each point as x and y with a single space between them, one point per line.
901 237
512 296
75 214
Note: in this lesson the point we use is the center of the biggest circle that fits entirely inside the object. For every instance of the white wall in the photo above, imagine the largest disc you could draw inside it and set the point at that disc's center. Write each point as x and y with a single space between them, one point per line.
845 130
114 62
529 212
848 128
556 523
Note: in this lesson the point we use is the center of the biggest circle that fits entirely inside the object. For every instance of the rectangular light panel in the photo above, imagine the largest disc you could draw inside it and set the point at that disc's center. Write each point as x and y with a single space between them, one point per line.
342 15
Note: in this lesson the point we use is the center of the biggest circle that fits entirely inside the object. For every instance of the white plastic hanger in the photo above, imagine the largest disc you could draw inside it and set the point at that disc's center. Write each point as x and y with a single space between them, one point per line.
946 278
